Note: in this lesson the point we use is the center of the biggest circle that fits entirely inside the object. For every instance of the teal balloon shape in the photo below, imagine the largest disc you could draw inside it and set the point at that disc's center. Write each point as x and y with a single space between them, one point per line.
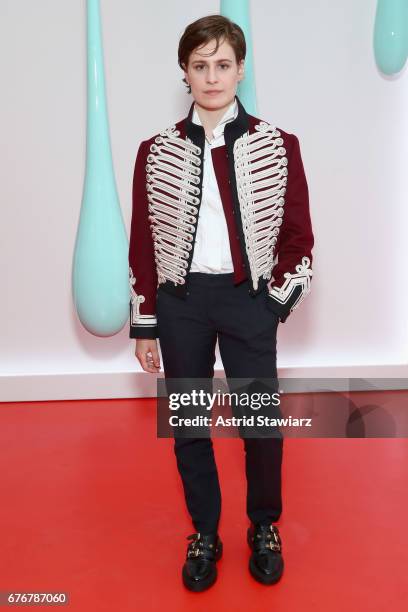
391 35
238 12
100 278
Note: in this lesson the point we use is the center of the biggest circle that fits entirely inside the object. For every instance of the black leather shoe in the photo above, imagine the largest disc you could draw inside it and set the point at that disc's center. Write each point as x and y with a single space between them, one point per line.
199 570
266 562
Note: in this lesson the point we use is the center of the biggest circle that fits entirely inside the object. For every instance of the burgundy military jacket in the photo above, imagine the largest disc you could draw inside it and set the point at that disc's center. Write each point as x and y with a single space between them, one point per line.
265 199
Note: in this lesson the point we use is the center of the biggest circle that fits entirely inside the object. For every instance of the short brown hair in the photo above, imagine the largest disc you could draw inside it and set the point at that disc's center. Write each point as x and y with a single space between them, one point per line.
202 31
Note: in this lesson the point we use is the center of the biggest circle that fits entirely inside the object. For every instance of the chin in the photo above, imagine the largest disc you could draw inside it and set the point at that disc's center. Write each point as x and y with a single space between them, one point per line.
213 101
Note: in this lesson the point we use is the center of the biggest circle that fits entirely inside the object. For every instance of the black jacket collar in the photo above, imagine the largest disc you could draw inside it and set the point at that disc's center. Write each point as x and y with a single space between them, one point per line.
233 129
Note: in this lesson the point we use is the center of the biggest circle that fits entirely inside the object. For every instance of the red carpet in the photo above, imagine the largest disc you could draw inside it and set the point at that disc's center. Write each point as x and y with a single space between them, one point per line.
92 505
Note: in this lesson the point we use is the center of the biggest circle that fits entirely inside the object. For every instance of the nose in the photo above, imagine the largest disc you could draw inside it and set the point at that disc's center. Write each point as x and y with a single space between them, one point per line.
211 74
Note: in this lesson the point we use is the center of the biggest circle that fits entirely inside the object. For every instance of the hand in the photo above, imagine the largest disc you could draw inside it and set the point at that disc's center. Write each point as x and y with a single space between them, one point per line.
148 355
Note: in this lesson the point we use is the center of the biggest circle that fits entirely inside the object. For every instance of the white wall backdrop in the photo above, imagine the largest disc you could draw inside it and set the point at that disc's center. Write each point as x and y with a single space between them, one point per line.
315 76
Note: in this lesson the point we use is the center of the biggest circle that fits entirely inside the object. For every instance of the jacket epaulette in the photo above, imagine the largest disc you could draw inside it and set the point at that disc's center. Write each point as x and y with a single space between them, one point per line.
264 192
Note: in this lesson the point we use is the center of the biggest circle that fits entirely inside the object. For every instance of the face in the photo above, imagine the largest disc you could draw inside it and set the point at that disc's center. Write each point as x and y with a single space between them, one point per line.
213 78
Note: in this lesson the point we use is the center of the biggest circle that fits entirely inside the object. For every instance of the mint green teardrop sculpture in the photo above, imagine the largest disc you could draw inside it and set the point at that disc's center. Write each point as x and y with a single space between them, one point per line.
391 35
100 280
238 12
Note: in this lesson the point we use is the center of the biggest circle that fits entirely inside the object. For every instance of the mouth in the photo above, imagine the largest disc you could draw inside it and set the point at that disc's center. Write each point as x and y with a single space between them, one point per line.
212 92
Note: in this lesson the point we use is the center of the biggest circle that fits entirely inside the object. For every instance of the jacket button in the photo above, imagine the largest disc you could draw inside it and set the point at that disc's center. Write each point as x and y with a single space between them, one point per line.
237 236
233 212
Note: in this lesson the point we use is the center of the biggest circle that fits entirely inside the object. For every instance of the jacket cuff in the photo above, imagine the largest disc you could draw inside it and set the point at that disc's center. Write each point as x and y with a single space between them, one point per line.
142 326
285 299
137 331
278 306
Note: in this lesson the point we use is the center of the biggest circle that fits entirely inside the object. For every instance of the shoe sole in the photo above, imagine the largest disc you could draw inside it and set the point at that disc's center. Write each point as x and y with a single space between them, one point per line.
201 585
257 574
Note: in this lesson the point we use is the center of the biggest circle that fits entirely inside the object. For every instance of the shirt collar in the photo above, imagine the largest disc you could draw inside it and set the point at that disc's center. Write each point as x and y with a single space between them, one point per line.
229 115
233 130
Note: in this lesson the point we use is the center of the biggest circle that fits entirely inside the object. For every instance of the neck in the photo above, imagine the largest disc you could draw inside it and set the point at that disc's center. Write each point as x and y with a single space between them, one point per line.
210 117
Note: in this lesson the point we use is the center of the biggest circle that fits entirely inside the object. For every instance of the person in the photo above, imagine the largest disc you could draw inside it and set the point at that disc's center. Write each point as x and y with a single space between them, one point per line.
219 202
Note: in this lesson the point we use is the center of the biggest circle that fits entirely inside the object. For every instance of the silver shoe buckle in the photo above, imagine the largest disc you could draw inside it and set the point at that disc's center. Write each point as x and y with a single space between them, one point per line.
274 545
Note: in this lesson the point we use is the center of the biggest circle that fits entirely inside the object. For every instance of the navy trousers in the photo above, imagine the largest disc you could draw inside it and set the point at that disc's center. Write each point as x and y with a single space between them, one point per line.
246 331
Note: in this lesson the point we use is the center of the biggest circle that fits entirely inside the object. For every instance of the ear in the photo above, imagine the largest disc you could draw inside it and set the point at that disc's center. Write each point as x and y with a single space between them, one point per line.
185 73
241 69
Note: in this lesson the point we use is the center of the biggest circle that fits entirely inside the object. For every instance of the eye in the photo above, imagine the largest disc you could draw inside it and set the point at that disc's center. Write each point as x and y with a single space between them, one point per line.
199 66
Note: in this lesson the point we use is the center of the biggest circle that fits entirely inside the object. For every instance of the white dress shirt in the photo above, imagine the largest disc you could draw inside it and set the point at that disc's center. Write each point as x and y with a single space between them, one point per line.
212 253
